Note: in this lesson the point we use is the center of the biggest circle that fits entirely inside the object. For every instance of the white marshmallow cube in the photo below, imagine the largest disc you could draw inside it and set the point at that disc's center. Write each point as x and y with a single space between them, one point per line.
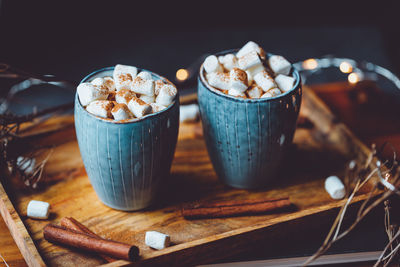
255 92
123 76
143 87
88 92
229 61
124 96
249 47
335 187
271 93
211 64
101 108
234 92
219 80
38 209
156 107
279 65
148 99
265 81
238 80
188 113
121 112
104 83
157 86
145 75
251 62
285 83
157 240
249 78
109 82
138 107
166 95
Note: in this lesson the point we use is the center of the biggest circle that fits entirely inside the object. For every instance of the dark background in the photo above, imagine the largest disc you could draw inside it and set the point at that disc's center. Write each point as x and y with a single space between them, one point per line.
72 38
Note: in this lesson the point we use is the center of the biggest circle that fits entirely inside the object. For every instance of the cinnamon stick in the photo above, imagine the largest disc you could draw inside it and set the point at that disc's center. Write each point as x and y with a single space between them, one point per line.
233 208
72 224
63 236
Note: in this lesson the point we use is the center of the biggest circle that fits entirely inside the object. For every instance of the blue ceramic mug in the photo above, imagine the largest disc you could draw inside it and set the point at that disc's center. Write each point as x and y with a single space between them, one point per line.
127 162
247 138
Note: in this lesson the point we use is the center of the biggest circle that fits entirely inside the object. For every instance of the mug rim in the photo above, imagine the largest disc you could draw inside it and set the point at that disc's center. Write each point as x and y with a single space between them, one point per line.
152 115
251 100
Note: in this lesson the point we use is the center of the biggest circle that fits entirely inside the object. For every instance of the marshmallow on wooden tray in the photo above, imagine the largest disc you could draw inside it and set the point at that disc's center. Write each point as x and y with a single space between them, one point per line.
335 187
166 94
249 47
285 83
188 113
238 80
121 112
157 240
251 62
145 75
156 107
211 64
123 76
229 61
143 87
255 92
101 108
148 99
271 93
124 96
38 209
138 107
265 81
219 80
88 92
279 65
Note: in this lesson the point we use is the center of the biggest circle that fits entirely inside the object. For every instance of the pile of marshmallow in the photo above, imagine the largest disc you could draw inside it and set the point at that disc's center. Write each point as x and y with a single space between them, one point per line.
249 74
127 95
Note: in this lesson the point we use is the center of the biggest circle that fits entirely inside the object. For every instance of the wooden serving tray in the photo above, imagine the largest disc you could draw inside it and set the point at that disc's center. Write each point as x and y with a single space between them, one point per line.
322 146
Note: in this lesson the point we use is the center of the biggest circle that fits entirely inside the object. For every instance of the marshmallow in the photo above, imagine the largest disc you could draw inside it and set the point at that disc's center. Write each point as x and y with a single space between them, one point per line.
145 75
271 93
121 112
219 80
148 99
265 81
279 65
188 113
143 87
123 76
285 83
87 93
101 108
255 92
249 47
229 61
124 96
156 107
238 80
138 107
249 78
251 62
166 95
157 240
211 64
335 187
38 209
157 86
104 83
234 92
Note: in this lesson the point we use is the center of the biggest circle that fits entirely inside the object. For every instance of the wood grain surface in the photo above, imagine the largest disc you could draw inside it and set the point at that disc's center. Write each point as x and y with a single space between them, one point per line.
322 146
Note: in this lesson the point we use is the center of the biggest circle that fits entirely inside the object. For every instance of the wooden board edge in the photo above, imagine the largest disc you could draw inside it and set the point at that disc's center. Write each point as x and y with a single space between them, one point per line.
18 231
